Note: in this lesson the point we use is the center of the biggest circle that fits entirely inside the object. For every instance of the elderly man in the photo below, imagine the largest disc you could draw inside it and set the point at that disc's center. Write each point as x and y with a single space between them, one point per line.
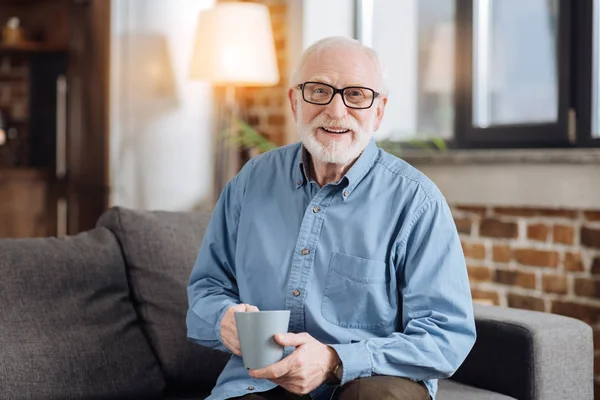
358 245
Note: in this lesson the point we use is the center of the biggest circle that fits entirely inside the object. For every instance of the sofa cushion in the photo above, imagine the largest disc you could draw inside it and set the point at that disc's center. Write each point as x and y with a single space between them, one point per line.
68 329
160 249
450 390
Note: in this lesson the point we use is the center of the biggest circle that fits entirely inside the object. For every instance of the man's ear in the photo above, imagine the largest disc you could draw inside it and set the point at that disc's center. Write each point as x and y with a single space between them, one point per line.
292 93
381 103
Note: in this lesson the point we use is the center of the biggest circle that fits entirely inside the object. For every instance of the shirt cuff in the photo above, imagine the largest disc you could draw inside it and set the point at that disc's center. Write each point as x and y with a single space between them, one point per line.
221 315
356 360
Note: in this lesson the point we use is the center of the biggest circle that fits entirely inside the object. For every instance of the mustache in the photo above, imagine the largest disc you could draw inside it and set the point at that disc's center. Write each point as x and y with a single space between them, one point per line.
347 122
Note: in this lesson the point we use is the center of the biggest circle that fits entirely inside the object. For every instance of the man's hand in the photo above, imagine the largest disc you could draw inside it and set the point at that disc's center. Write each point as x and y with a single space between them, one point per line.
229 334
305 369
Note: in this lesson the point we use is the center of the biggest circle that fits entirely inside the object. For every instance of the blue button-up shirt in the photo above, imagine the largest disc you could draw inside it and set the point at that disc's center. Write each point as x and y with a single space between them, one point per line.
371 265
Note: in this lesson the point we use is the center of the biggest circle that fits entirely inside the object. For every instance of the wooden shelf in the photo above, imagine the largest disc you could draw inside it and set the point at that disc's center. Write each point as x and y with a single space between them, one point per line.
29 47
24 173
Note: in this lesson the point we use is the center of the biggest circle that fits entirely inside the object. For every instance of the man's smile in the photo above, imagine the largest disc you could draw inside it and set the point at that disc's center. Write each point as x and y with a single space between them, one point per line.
335 131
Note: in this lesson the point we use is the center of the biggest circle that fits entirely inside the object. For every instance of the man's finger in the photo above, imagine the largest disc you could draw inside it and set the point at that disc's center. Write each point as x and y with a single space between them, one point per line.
273 371
250 308
292 339
238 307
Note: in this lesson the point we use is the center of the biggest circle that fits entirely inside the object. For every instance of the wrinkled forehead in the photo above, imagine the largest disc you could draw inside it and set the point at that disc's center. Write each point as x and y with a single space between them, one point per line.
341 66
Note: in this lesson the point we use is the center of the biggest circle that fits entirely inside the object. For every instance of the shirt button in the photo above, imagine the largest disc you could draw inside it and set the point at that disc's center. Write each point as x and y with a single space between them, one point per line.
305 252
346 193
296 293
316 209
299 182
250 387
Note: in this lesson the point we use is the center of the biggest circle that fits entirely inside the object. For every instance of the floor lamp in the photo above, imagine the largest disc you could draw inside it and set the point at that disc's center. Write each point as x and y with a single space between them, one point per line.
234 48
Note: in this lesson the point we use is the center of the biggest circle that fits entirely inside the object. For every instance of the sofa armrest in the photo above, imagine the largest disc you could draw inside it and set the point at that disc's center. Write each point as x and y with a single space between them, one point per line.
530 355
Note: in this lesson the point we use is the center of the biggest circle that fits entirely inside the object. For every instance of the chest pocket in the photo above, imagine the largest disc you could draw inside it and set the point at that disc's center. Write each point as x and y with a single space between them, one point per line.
356 293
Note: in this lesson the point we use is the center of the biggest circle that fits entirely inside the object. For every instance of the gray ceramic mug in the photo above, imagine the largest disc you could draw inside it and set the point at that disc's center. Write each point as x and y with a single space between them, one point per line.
256 330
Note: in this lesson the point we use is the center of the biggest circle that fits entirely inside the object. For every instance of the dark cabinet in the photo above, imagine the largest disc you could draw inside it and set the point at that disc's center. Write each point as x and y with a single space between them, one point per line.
54 93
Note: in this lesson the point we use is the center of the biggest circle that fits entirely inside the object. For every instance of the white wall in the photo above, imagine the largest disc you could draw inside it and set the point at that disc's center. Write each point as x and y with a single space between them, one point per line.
326 18
160 141
308 22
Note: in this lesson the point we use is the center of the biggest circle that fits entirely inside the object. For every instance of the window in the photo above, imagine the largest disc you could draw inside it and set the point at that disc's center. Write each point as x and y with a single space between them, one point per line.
420 64
488 73
515 71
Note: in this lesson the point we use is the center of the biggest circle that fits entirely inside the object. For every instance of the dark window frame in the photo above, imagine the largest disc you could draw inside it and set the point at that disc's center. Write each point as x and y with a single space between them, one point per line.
573 129
508 136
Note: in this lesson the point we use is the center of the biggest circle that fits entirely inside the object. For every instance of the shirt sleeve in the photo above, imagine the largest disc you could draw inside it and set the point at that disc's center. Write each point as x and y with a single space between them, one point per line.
212 286
437 309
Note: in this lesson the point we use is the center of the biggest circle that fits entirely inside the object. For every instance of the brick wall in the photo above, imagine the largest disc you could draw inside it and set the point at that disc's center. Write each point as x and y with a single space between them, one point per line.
265 107
536 259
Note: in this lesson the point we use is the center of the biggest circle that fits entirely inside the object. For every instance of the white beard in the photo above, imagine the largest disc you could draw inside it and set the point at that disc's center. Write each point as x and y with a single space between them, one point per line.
335 151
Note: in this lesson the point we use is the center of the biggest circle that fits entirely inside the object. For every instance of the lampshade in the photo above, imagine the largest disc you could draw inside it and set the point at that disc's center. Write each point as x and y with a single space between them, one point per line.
234 46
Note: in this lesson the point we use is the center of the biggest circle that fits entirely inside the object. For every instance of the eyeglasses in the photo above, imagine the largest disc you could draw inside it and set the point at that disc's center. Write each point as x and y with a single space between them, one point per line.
322 94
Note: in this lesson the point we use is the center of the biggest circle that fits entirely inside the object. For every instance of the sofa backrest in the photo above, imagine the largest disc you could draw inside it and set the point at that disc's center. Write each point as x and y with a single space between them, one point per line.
160 249
67 327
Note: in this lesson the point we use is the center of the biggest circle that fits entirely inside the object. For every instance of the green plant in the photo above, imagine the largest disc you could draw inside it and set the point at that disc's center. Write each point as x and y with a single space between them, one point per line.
245 136
434 144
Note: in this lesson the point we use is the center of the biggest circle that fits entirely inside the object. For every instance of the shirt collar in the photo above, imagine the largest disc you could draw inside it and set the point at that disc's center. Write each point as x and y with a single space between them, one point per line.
355 174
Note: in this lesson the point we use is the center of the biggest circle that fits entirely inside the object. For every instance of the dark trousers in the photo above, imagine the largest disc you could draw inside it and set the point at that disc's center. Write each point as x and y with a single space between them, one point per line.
373 388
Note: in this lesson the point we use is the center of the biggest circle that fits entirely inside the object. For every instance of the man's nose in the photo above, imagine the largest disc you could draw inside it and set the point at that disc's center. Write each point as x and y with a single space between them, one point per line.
336 109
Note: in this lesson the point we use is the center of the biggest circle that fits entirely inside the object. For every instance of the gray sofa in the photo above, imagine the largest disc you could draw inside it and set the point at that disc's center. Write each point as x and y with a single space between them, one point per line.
102 315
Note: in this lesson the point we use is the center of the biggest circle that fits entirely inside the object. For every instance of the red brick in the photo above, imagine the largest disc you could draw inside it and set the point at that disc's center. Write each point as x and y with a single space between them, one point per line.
596 266
592 215
554 284
479 211
525 302
485 295
538 232
573 262
587 313
564 234
557 213
498 229
463 225
587 287
277 101
536 258
253 120
514 211
276 119
249 102
480 273
473 250
590 237
515 278
501 253
531 212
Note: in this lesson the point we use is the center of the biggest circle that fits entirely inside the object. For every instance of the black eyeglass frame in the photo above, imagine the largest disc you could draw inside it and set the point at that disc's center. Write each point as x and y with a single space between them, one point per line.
341 92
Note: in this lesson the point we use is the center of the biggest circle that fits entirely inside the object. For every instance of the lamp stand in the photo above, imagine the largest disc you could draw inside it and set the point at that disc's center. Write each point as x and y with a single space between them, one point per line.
227 156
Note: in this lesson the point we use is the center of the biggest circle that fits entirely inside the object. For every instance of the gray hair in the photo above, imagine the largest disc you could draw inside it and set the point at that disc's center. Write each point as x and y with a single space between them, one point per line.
338 41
